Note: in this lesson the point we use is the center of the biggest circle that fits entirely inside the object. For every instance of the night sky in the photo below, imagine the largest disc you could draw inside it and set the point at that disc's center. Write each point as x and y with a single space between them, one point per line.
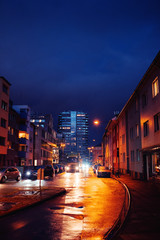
77 55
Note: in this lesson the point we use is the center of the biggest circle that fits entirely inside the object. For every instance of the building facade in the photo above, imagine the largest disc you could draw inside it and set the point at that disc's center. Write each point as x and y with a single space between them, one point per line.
74 126
46 151
138 127
24 154
13 137
4 113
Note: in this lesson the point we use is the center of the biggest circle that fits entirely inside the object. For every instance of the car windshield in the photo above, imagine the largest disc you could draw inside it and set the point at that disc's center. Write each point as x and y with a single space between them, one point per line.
2 169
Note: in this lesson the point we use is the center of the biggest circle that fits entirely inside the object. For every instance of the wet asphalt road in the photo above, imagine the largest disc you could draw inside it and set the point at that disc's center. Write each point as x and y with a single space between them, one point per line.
64 217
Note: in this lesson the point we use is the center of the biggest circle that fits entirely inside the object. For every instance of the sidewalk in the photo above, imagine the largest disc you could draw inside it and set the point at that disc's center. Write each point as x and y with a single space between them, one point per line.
22 198
143 222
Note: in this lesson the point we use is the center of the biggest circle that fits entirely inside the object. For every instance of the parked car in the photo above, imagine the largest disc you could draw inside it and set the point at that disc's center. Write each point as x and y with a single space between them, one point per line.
49 171
103 172
30 173
10 173
61 168
55 166
95 167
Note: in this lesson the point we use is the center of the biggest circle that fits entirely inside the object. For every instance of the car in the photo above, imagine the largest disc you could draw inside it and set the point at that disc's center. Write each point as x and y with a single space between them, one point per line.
95 167
56 168
102 171
49 171
72 167
10 173
30 174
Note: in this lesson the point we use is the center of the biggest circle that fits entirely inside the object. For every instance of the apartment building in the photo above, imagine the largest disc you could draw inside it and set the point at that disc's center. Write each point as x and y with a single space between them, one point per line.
25 137
4 111
46 151
138 125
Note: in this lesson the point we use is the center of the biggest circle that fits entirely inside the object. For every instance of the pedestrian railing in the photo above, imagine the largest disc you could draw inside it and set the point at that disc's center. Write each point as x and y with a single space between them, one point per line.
113 231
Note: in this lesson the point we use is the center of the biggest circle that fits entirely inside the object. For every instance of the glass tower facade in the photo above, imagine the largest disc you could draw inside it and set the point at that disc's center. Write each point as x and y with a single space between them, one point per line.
74 126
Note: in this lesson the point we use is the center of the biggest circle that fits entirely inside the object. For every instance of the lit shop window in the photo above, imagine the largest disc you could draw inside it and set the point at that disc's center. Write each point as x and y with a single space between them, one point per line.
24 135
155 87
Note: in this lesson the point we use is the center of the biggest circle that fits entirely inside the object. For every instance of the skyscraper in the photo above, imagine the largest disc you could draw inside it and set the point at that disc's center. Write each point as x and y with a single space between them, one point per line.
74 126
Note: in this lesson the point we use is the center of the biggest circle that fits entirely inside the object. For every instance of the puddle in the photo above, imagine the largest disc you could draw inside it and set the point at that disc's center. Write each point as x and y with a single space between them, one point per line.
23 193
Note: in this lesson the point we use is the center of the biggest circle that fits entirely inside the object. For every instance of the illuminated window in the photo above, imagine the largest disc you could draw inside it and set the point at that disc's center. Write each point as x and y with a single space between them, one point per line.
24 135
155 87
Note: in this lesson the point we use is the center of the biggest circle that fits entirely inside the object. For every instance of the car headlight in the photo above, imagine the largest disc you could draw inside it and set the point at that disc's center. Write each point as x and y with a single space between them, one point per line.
77 168
67 168
28 173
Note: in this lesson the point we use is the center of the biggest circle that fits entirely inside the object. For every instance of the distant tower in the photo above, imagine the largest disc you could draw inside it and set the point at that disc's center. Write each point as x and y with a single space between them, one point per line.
74 126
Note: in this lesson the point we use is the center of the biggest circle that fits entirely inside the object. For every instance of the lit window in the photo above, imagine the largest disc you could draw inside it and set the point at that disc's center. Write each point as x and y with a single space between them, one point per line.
155 87
23 135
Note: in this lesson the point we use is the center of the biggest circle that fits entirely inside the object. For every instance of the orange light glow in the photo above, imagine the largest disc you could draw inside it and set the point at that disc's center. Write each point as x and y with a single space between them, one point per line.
96 122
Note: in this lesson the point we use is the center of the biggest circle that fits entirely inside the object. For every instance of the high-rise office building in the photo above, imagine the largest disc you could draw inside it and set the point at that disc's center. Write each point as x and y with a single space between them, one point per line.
74 126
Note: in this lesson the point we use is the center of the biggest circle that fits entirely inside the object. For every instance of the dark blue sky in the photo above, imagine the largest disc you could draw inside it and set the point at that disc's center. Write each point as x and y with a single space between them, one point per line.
77 55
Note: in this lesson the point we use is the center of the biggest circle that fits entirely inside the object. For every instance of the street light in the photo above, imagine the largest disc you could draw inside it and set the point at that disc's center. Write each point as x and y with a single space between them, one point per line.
96 122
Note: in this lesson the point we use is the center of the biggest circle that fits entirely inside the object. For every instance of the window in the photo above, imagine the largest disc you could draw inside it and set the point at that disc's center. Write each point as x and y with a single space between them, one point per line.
24 135
5 89
156 122
146 128
132 156
4 105
131 133
155 87
2 141
137 155
144 100
137 130
3 122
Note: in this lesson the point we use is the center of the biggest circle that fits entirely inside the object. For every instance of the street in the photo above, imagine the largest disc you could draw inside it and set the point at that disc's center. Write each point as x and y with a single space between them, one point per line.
86 211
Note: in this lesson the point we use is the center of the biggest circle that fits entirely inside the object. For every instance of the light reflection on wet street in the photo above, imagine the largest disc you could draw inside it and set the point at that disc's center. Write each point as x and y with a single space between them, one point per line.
79 214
